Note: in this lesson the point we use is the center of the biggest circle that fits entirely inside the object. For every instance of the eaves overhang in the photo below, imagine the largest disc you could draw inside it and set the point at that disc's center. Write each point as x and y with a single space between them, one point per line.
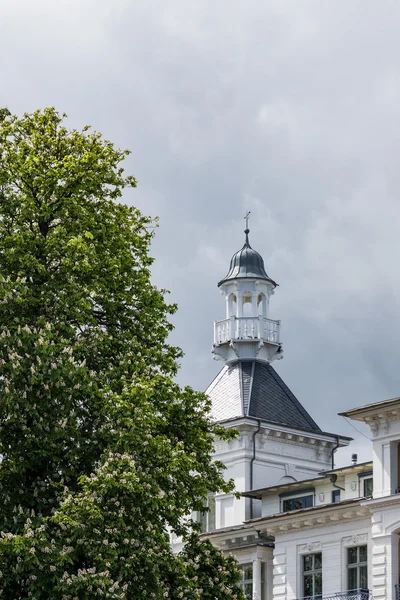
238 536
236 422
314 516
368 410
295 486
349 468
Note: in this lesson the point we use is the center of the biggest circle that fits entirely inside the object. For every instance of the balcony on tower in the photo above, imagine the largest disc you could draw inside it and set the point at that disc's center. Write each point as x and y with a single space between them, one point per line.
247 328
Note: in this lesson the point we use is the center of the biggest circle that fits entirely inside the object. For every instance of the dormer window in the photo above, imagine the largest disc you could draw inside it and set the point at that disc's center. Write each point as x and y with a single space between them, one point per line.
303 499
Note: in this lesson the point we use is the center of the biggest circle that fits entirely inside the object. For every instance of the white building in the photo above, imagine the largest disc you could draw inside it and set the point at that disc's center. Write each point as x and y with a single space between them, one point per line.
302 529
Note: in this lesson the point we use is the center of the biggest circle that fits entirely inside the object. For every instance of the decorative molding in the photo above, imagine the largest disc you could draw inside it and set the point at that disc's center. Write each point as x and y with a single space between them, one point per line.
356 539
374 426
309 548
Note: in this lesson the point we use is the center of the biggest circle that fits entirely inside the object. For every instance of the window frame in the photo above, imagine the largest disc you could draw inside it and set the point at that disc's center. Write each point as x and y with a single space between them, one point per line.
335 496
362 479
357 566
365 481
313 572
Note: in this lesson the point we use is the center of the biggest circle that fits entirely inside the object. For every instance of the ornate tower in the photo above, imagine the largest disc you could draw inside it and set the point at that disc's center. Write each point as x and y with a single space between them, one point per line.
247 332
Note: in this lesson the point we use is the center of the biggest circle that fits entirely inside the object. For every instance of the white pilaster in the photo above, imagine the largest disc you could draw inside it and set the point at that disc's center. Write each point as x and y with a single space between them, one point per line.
257 588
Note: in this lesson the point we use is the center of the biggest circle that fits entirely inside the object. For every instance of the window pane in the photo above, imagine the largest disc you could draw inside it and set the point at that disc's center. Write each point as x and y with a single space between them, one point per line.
336 496
363 578
363 554
248 590
368 487
308 585
308 501
247 571
317 561
352 556
318 583
308 562
287 505
352 578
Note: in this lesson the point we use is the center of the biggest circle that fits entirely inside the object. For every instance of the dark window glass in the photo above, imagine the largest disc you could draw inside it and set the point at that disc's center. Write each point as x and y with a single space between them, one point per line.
247 571
364 577
368 487
308 562
297 503
352 555
362 553
312 576
336 496
352 584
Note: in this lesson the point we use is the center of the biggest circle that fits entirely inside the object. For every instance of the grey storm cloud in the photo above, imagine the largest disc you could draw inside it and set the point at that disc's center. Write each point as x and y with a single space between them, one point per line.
288 109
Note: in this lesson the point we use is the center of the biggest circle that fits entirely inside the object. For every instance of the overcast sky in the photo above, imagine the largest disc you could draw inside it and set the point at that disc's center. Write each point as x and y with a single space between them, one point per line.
289 109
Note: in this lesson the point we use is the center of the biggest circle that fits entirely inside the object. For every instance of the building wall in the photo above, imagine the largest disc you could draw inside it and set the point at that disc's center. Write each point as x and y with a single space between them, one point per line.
332 541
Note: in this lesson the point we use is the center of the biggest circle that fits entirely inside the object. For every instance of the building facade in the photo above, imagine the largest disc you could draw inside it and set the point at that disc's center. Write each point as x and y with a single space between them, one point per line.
301 528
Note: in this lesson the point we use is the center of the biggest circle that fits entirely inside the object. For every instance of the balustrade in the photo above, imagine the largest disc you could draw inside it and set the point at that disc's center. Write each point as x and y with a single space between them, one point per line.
246 328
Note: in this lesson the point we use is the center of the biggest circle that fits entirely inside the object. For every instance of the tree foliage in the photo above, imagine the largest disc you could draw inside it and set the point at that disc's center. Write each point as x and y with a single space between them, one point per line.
102 452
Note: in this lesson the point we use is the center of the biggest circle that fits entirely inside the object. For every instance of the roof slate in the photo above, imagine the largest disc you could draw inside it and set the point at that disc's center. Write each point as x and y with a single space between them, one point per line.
253 388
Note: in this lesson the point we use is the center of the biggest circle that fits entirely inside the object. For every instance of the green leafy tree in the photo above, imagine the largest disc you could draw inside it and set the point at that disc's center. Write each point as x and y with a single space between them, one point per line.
102 454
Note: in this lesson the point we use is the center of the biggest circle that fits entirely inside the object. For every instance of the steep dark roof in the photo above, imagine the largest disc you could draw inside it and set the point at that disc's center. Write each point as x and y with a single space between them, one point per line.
246 263
253 388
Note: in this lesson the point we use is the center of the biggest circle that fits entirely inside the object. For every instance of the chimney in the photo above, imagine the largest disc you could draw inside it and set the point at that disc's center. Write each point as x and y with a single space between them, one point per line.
354 459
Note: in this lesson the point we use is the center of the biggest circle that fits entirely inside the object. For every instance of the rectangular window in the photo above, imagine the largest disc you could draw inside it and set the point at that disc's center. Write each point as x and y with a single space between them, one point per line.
368 486
312 576
335 496
207 517
357 568
246 582
298 502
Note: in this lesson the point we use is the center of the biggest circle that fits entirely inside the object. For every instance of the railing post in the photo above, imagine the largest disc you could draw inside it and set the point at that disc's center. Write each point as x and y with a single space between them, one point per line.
231 328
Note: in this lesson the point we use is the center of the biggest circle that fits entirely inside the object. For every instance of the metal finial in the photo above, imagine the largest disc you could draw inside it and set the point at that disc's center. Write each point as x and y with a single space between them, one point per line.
247 230
247 222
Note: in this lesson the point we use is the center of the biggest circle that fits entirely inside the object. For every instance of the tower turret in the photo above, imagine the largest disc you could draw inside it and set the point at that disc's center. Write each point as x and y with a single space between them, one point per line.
247 332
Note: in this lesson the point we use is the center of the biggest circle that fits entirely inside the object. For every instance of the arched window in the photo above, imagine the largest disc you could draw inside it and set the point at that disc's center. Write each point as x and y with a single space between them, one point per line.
247 300
232 306
262 305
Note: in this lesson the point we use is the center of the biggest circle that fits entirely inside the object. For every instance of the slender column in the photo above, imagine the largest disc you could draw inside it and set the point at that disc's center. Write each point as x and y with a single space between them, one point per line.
228 303
254 309
239 308
257 579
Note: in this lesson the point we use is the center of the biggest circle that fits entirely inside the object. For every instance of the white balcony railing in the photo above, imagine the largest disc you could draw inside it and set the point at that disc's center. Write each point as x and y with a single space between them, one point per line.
352 595
246 328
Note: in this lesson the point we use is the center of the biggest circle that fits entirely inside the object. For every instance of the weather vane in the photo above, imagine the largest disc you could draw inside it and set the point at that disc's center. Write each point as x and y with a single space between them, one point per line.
247 219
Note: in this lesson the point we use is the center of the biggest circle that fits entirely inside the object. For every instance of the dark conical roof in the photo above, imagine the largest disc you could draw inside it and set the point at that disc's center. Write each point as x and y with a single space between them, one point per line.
246 263
253 388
